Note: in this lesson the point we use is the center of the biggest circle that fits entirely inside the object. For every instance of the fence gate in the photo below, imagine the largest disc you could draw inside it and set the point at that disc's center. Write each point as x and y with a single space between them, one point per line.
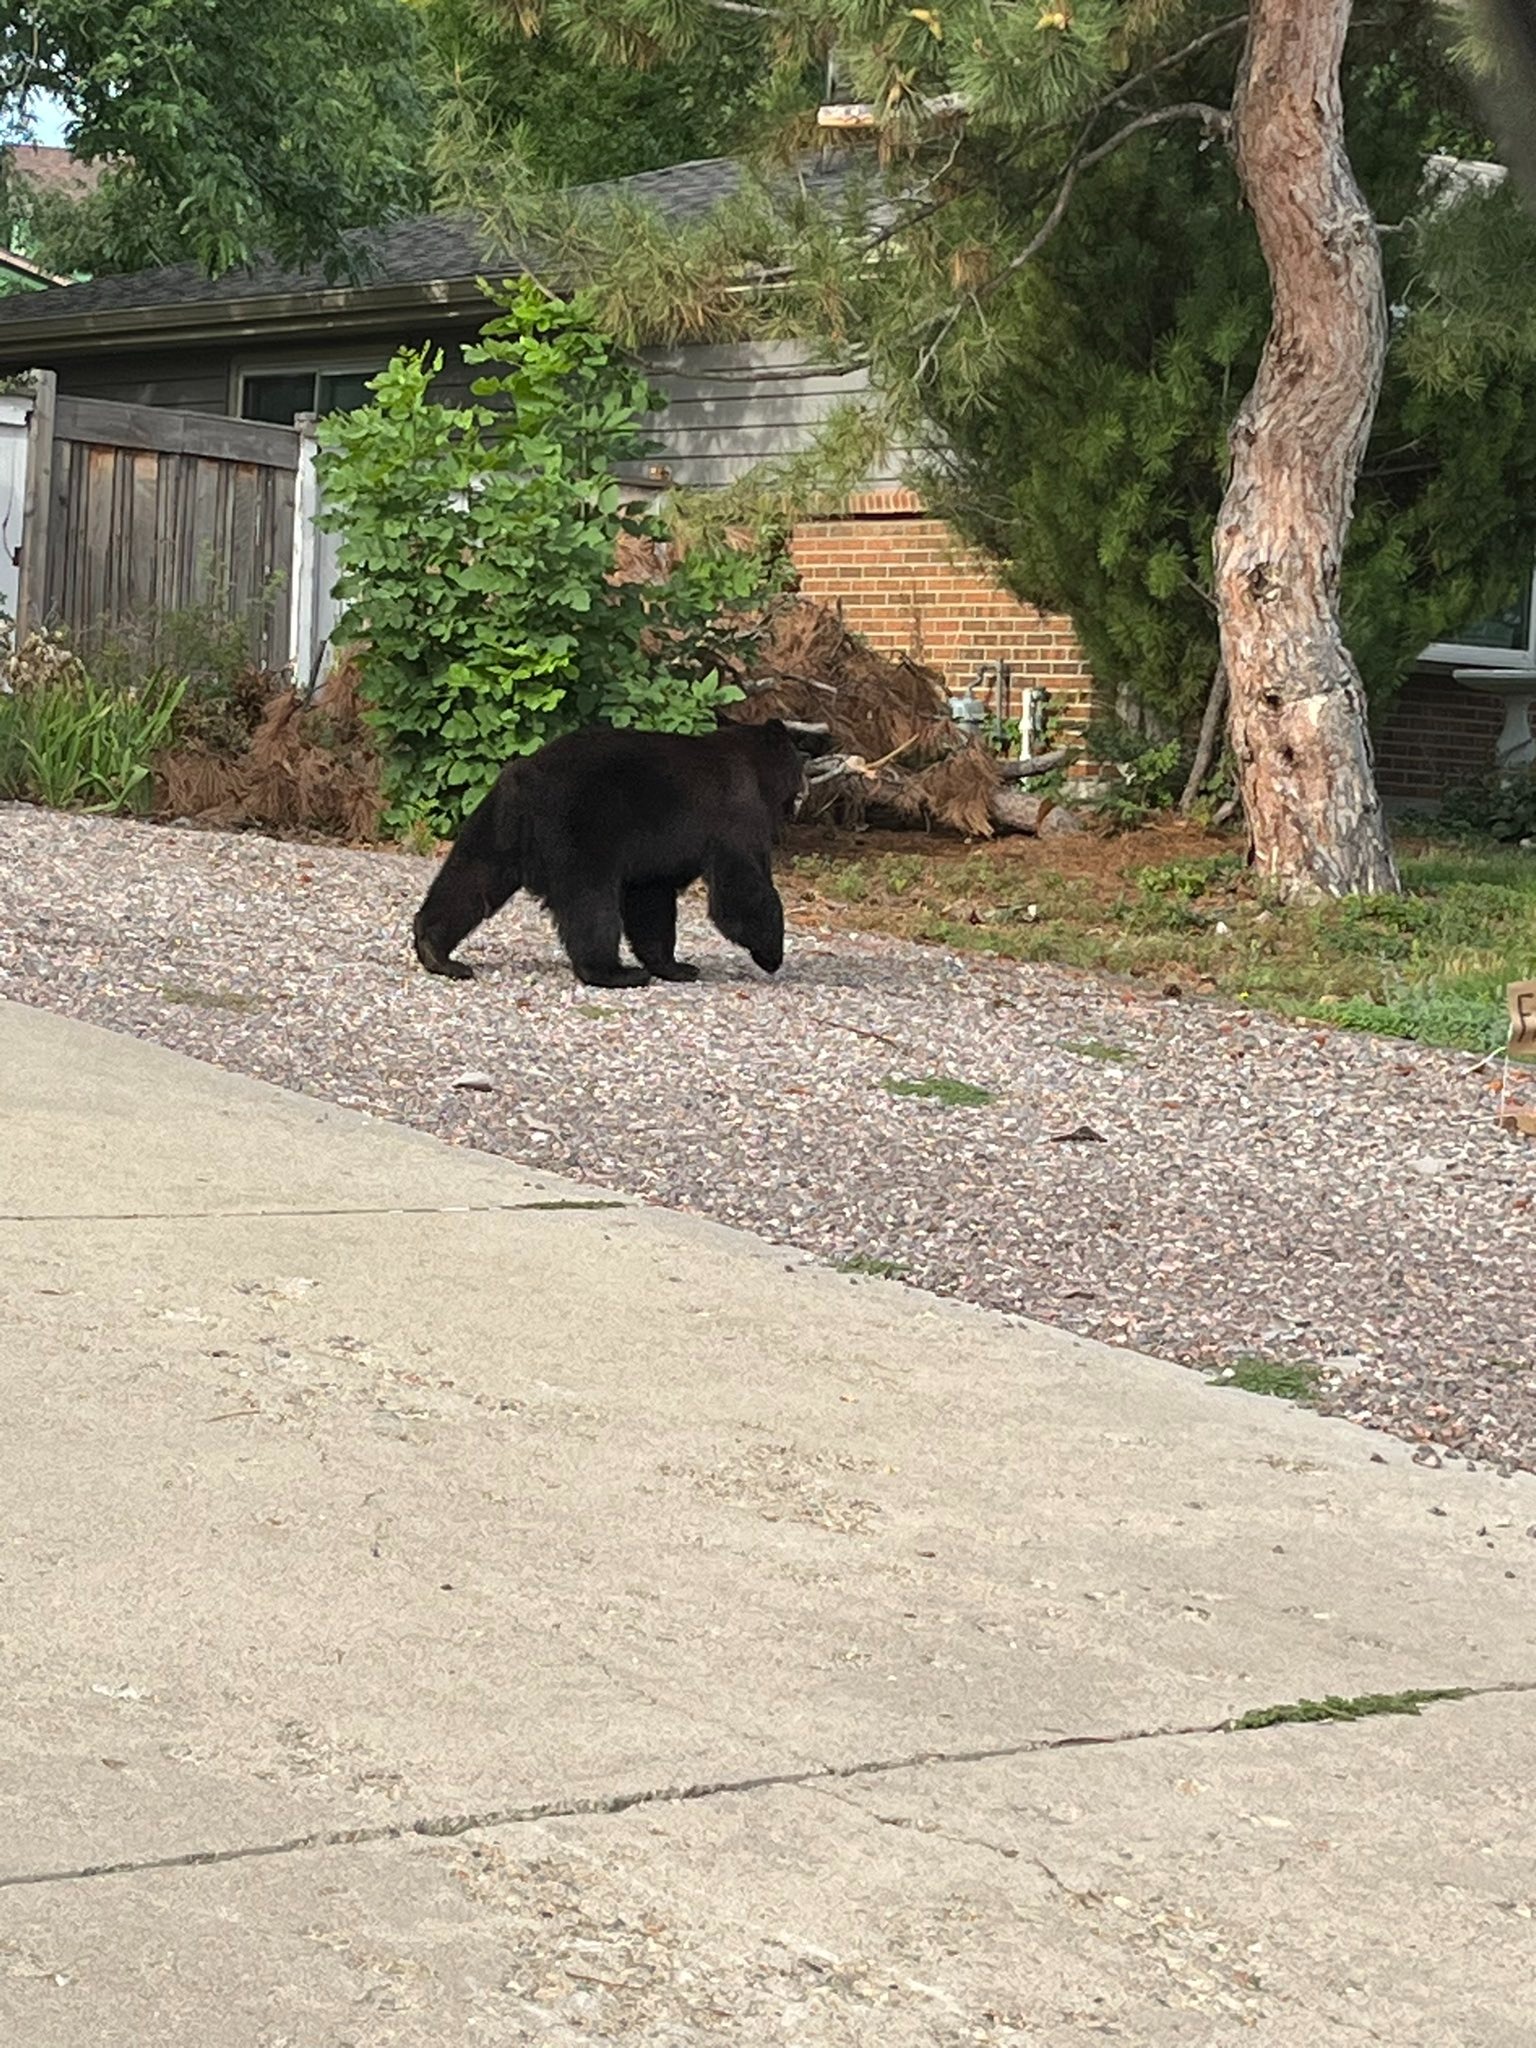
134 510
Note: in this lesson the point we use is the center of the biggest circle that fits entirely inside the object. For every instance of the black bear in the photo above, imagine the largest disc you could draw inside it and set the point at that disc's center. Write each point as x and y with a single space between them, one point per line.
606 828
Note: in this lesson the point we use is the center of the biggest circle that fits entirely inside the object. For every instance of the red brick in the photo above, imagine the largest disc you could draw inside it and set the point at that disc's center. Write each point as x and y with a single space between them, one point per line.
910 586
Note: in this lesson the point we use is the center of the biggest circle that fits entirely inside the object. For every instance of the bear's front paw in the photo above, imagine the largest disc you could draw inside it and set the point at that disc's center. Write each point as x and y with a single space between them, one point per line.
613 977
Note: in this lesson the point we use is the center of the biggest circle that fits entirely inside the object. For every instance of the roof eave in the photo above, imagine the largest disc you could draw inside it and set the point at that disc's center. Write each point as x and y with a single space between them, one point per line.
22 266
268 316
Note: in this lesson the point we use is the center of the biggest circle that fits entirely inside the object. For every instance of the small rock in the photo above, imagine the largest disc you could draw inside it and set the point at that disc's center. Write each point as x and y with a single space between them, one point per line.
1058 821
1429 1164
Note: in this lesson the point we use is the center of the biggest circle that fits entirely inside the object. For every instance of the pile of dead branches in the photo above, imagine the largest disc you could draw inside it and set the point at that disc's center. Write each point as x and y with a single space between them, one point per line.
304 767
899 760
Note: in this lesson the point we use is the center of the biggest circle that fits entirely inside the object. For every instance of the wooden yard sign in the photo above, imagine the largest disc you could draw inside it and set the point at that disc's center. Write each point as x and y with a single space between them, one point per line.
1520 1046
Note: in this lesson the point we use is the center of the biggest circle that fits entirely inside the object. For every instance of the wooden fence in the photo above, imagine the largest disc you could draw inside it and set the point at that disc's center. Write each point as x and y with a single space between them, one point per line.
134 511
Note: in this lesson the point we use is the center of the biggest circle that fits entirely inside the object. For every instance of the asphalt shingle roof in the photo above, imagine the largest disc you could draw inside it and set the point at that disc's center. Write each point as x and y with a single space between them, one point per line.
429 248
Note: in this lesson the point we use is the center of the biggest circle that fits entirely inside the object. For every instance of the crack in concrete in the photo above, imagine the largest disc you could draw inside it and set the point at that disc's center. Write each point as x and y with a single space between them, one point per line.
446 1826
914 1824
278 1215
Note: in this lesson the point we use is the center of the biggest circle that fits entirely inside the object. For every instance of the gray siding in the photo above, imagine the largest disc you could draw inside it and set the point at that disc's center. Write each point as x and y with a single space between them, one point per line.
728 407
731 407
181 380
203 379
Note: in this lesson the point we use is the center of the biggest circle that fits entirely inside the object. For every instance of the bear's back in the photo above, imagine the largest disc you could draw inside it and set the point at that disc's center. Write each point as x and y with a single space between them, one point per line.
644 803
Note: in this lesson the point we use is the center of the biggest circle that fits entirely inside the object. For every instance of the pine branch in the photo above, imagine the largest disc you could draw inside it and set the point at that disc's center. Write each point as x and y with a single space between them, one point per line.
945 106
1217 120
1192 48
1212 35
907 221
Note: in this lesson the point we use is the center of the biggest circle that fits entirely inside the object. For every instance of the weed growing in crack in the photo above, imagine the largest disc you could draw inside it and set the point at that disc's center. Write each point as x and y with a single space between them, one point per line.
1360 1708
1299 1383
876 1269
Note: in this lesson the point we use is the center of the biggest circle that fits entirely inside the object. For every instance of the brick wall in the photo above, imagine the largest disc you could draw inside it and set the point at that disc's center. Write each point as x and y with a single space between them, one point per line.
1436 736
908 586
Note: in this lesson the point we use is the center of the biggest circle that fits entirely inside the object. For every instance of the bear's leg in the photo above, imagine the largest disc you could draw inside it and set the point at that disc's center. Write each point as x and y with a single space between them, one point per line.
744 907
650 925
588 923
472 884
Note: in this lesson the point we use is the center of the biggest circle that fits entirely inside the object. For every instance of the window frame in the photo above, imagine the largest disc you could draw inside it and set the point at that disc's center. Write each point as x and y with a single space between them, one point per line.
1465 654
313 363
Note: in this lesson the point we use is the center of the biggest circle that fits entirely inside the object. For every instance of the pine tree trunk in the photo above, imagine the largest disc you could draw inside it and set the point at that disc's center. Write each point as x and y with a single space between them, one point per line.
1298 714
1208 742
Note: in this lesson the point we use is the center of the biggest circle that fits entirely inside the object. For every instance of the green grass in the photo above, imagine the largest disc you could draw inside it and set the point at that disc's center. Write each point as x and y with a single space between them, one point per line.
1271 1376
211 998
874 1269
1096 1049
1361 1708
1431 964
941 1088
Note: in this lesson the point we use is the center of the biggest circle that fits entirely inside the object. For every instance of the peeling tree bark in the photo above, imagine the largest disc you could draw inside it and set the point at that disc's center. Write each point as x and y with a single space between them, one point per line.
1298 713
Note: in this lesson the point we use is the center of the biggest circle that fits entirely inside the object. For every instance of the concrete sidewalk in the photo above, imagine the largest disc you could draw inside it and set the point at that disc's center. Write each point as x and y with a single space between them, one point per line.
436 1609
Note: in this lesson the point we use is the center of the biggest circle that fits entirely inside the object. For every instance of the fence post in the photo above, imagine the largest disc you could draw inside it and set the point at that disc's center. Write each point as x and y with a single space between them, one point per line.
32 582
303 652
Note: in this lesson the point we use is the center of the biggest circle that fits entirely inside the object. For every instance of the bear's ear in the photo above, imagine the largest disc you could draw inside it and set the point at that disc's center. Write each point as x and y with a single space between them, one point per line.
807 738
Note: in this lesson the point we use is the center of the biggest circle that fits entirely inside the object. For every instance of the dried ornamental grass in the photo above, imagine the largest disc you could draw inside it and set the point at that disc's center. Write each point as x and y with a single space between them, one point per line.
308 767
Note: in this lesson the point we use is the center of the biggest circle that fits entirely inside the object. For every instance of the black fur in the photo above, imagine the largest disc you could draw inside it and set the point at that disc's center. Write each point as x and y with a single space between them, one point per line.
607 828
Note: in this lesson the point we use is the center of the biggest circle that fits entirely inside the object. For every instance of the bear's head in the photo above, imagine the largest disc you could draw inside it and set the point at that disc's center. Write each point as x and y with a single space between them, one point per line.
793 744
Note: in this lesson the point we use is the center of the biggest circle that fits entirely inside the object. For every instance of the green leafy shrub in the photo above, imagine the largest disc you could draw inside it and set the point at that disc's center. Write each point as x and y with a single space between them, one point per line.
1467 1012
1501 807
1140 776
1188 879
479 545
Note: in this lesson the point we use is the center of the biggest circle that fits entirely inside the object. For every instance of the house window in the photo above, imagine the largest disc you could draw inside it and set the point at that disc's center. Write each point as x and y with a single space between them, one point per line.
1509 629
279 396
1507 640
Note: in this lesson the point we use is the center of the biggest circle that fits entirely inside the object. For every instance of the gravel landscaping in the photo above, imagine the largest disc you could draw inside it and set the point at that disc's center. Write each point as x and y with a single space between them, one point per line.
1254 1191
